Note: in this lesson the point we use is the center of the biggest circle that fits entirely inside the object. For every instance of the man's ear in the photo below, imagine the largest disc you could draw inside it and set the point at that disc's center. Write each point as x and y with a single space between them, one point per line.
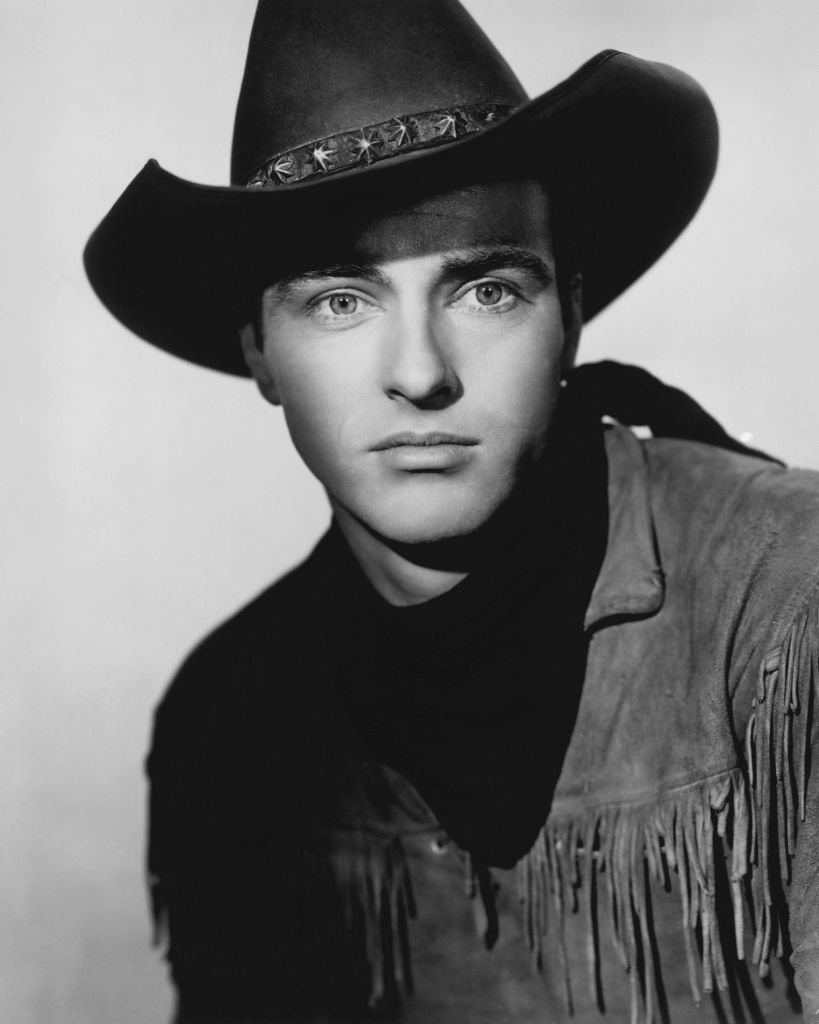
573 323
257 364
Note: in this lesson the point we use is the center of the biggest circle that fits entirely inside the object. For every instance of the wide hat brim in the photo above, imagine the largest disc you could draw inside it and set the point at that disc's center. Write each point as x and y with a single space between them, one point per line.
627 149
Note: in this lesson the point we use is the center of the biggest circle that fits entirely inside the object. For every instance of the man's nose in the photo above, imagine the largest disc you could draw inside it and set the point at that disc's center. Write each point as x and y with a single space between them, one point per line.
418 364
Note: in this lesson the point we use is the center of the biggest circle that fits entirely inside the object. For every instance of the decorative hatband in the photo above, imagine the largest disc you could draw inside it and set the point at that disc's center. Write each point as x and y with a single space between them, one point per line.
377 142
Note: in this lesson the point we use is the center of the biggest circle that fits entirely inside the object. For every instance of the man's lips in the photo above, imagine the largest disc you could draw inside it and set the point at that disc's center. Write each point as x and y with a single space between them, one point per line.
409 438
435 452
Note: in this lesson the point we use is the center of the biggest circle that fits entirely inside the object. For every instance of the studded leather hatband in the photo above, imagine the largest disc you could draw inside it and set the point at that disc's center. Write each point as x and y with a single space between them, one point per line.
376 142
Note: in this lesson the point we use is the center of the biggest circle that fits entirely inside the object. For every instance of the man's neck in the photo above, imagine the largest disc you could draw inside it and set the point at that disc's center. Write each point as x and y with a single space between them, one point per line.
393 574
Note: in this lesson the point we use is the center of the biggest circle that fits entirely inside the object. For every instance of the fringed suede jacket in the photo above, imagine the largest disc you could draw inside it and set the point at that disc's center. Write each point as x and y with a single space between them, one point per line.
674 875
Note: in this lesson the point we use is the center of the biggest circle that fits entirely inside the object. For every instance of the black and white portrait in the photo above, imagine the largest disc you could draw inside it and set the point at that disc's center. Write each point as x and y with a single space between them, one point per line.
411 584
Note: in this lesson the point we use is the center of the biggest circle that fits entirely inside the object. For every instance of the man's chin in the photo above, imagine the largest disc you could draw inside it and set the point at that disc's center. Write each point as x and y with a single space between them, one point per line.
427 523
427 534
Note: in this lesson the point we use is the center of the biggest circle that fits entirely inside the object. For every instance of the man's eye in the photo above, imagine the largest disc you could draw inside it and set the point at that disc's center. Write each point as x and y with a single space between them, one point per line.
491 296
340 309
489 293
342 304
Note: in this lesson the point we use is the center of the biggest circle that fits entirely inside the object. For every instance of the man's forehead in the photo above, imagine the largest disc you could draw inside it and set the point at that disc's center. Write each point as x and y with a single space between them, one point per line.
503 216
479 217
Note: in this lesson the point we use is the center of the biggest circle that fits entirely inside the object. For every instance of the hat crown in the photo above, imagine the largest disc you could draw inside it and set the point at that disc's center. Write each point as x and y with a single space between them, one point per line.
316 68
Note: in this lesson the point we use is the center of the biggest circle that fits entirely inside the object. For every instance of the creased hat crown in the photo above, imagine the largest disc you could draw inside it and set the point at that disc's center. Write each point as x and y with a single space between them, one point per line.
317 68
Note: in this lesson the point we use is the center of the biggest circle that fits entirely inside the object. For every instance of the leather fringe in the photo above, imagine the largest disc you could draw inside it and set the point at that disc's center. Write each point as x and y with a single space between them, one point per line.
372 881
777 751
616 852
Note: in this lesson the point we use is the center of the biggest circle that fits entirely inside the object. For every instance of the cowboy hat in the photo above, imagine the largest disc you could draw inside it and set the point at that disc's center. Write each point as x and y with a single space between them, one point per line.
351 102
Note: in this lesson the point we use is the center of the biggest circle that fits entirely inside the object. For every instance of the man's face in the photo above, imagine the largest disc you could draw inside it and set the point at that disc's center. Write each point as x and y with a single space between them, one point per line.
419 377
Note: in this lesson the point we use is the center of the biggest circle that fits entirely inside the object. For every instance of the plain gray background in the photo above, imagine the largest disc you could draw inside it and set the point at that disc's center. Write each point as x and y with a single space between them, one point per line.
145 499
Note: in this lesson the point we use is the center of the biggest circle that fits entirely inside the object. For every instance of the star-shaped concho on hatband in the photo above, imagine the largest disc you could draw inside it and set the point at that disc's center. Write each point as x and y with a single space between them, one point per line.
376 142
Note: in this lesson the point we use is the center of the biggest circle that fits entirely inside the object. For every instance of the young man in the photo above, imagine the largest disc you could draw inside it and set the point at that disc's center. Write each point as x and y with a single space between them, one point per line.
529 735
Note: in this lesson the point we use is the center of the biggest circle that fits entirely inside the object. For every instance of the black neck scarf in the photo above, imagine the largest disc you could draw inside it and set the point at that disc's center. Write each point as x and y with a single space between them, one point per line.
472 696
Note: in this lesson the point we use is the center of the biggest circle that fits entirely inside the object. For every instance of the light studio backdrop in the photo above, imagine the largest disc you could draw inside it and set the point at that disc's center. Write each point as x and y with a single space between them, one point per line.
144 498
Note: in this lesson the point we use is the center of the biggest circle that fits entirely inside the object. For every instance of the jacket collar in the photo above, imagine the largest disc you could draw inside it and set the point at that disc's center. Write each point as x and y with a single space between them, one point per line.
630 583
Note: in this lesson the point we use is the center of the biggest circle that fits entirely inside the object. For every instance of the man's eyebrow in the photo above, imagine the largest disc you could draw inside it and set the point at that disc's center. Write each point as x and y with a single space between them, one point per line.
285 286
472 262
480 260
